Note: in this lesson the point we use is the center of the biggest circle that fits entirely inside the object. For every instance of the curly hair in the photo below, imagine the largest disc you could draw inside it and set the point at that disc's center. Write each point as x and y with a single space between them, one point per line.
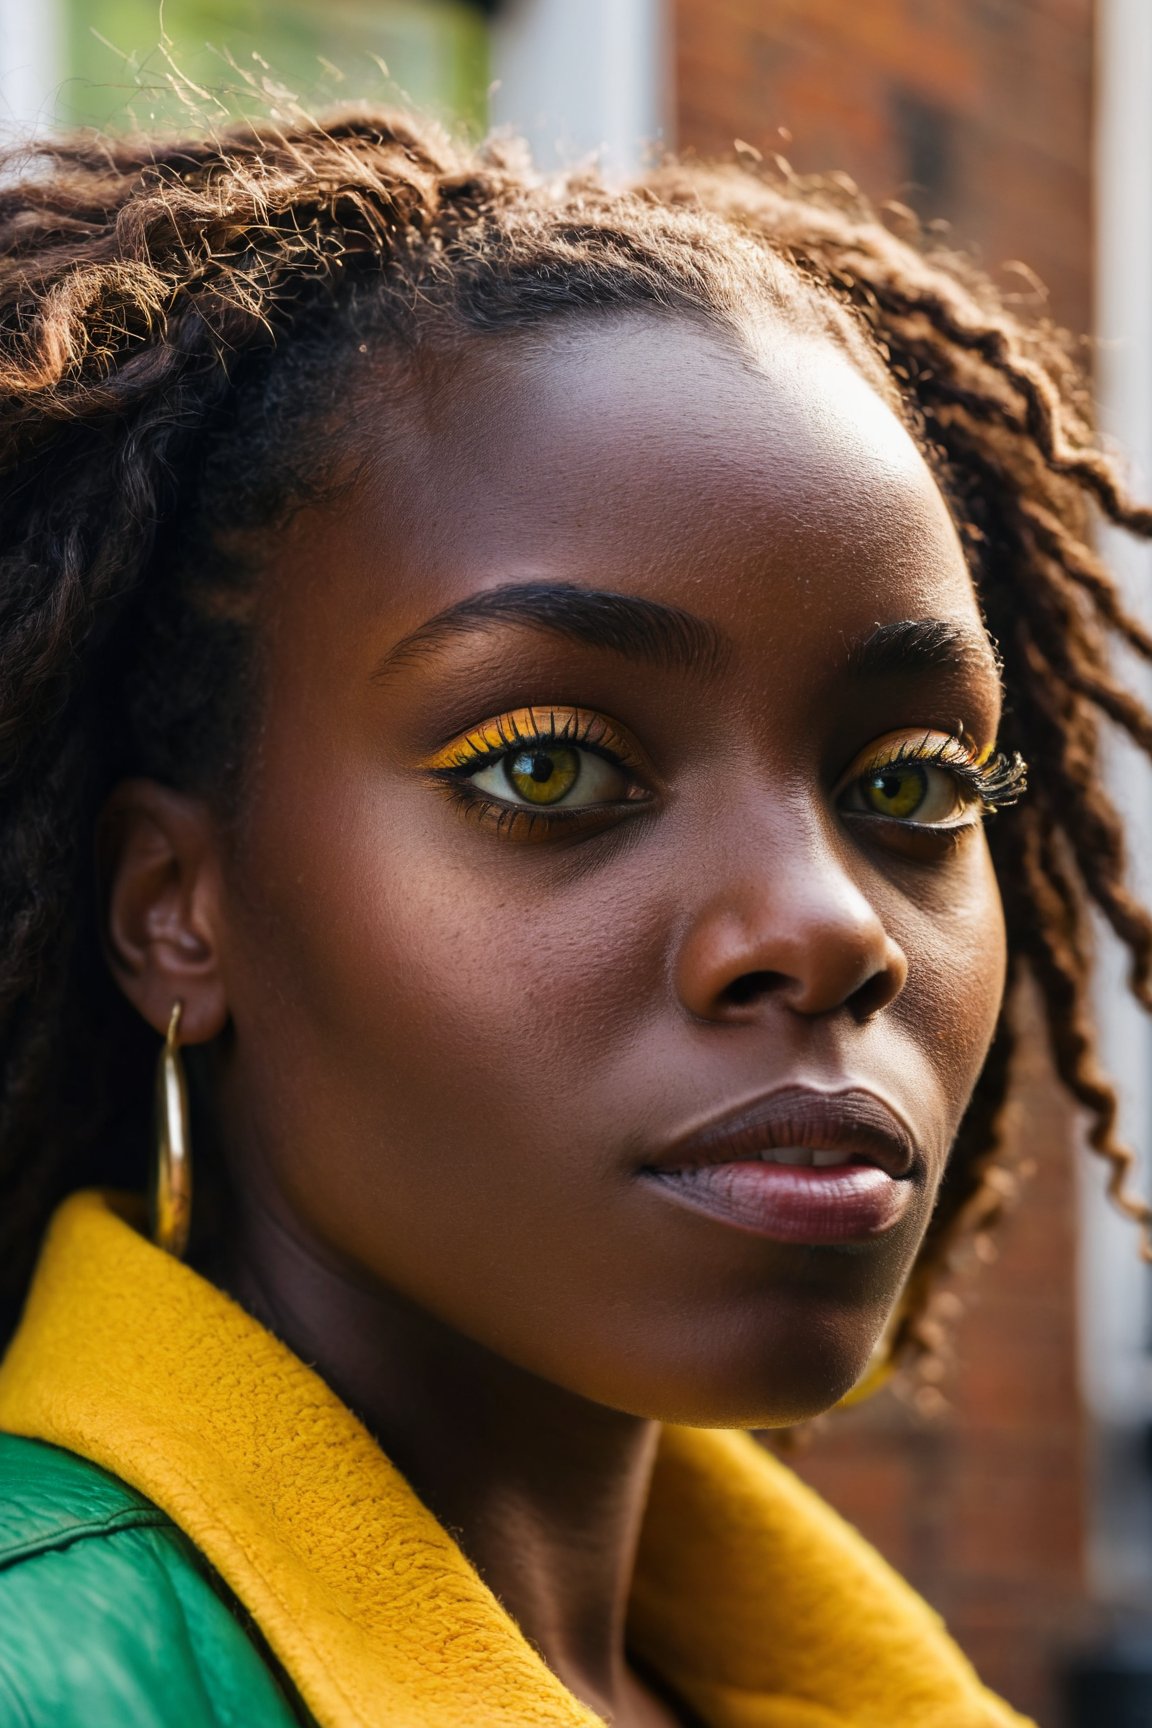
177 326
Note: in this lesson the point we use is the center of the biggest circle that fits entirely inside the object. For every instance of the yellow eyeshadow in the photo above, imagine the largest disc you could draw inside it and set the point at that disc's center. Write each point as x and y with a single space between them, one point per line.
899 747
521 727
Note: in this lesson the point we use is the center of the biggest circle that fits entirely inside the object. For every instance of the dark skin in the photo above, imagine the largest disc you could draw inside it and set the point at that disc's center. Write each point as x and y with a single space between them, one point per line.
446 1042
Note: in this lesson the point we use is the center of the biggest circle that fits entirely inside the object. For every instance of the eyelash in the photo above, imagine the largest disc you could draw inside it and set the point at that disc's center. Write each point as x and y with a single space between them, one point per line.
454 767
996 782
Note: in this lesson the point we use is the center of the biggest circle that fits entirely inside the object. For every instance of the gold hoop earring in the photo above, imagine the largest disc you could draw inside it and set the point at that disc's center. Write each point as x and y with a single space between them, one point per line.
170 1199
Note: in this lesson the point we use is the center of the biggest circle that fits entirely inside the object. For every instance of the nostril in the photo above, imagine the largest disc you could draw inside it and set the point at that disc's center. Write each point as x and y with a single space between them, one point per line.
750 988
875 993
800 959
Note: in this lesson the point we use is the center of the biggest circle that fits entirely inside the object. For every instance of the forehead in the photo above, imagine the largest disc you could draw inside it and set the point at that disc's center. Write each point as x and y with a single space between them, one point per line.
756 478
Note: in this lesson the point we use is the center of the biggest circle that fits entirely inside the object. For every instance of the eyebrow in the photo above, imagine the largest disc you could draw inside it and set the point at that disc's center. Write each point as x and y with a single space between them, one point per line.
914 645
646 630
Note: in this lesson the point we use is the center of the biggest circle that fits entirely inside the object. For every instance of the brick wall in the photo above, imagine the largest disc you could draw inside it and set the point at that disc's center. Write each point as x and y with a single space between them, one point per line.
977 111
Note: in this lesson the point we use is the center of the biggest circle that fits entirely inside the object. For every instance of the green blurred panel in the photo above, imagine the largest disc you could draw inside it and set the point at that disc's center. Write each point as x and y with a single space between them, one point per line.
130 63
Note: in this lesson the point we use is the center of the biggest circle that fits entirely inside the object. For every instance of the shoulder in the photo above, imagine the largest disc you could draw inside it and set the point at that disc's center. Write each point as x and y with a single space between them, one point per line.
109 1616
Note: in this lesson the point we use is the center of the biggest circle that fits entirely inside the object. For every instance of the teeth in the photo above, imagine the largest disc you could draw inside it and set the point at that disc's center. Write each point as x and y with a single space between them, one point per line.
805 1156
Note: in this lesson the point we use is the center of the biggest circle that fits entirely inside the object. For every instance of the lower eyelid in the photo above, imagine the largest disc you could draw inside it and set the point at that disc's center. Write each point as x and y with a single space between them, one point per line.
526 822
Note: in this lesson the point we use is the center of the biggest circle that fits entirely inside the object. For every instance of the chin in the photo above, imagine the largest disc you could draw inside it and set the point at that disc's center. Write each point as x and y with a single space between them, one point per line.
783 1381
789 1400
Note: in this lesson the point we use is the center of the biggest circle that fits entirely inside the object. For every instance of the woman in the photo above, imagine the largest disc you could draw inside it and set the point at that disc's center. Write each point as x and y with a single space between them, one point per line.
525 688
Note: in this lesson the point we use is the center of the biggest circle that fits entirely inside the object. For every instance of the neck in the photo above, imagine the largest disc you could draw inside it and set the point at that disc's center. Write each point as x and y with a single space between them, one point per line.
543 1491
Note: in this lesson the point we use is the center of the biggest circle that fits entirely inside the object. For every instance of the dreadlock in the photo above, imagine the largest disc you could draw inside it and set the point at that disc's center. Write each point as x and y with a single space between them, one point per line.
177 323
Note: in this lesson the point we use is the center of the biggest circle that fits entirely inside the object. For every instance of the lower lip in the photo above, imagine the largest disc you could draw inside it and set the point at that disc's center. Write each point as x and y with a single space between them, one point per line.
793 1202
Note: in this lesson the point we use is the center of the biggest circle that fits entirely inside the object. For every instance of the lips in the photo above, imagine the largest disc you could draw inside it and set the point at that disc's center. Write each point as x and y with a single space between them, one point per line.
854 1124
798 1165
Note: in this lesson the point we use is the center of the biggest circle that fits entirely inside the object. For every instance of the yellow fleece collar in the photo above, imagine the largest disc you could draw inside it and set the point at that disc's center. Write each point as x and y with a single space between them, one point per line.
753 1599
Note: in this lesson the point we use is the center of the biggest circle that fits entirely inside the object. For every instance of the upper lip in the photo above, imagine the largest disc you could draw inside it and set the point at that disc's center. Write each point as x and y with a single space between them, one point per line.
852 1120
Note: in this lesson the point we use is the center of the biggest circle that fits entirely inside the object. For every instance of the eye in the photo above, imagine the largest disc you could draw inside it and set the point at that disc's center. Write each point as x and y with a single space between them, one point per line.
530 768
545 775
911 791
929 780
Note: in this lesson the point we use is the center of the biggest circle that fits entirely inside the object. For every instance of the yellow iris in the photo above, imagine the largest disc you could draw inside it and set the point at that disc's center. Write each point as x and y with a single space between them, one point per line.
540 758
895 791
926 780
543 774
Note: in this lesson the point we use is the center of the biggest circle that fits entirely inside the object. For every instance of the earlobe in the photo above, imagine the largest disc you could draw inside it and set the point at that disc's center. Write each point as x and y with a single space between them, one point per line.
161 920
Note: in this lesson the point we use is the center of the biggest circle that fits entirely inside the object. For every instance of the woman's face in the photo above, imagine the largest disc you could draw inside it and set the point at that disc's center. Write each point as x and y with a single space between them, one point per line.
612 831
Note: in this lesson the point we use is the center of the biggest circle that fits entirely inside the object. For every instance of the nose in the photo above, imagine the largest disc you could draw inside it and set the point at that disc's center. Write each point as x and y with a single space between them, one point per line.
792 926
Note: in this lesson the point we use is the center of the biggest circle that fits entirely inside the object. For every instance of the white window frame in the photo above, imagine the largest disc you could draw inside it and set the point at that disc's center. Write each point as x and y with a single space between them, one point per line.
1115 1285
30 49
584 80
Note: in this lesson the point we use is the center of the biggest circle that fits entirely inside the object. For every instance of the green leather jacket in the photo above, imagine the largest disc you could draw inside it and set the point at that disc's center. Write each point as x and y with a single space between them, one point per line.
110 1618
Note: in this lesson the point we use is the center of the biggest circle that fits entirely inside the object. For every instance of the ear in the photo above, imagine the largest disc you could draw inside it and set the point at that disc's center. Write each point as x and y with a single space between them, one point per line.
158 865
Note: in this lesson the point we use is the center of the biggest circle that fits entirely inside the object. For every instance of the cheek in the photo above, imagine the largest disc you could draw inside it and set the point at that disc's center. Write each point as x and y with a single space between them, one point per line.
475 974
956 947
462 1042
428 985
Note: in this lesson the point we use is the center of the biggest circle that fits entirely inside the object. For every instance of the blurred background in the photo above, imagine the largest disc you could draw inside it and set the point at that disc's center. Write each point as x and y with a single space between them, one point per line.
1022 1504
